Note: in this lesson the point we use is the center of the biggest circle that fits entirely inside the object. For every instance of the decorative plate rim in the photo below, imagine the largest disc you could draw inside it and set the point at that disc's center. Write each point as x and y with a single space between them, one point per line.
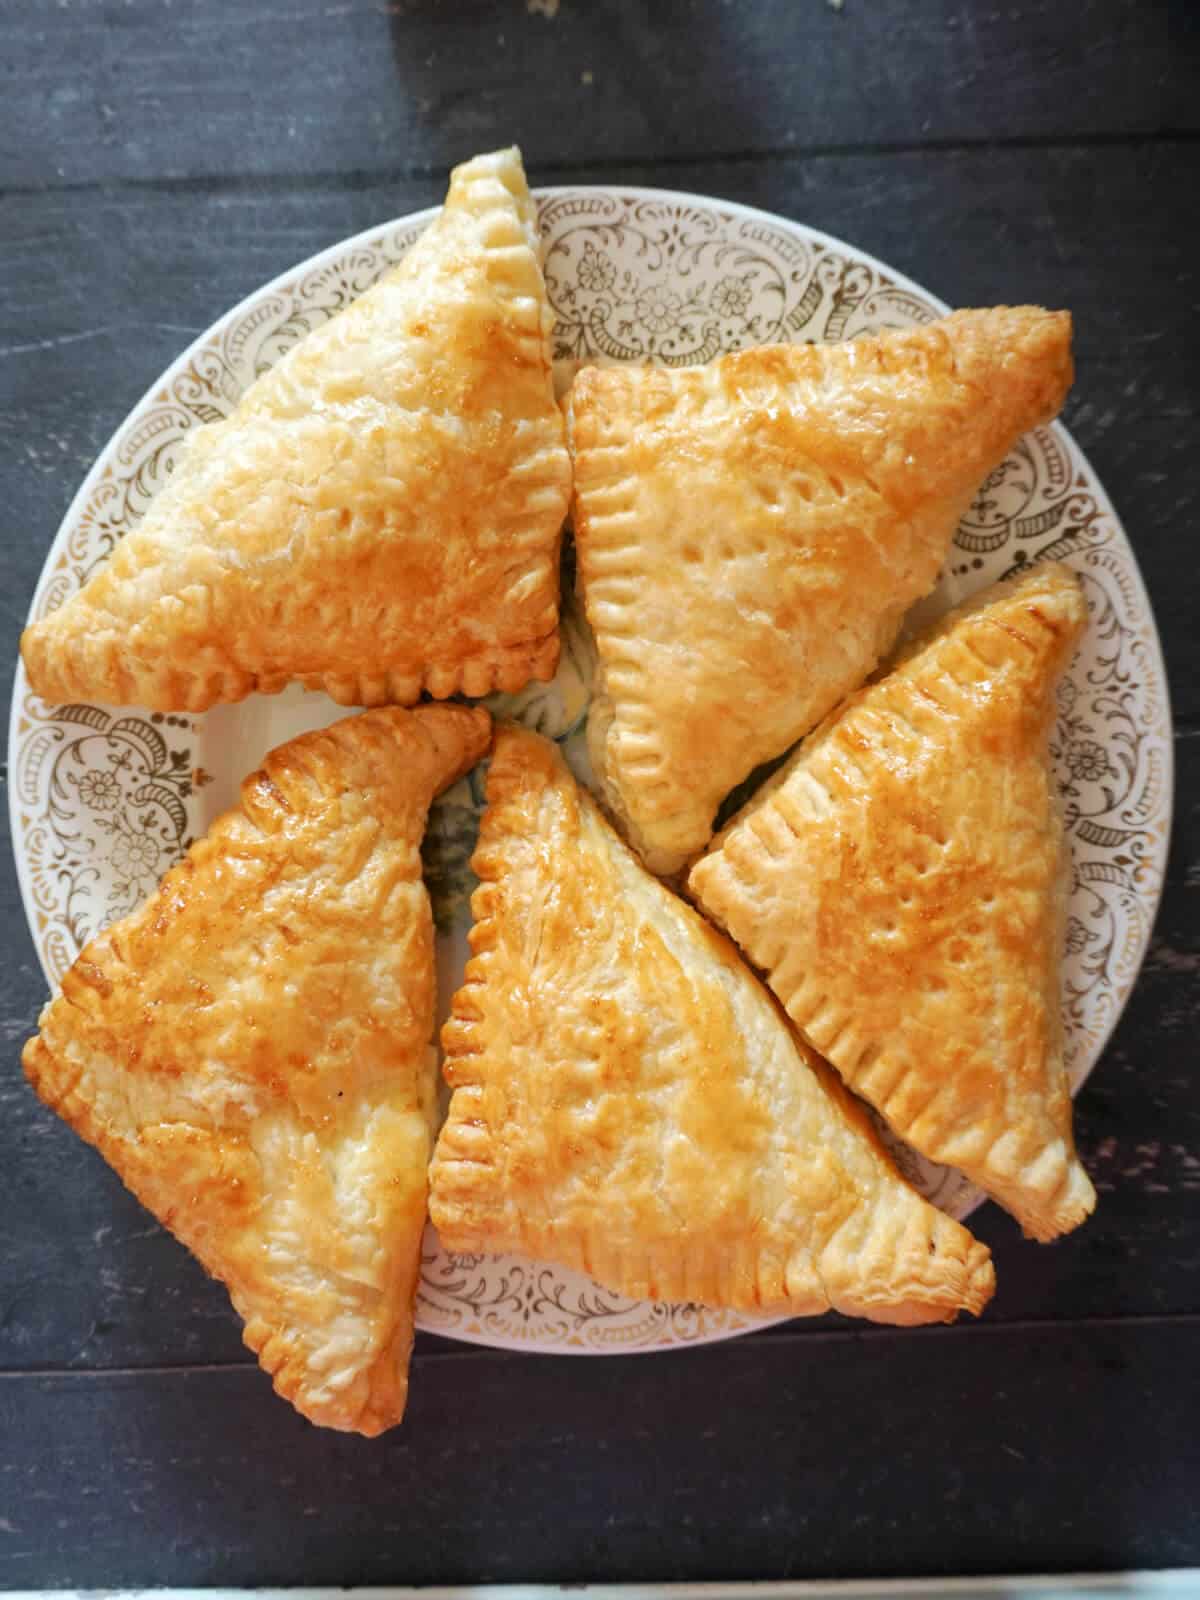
732 1324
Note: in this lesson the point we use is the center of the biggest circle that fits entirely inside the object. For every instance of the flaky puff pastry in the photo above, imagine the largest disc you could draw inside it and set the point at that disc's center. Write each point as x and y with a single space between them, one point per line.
252 1052
902 883
750 534
380 515
629 1100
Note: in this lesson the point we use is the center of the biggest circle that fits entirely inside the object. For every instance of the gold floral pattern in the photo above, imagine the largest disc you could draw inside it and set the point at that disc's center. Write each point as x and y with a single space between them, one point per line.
103 801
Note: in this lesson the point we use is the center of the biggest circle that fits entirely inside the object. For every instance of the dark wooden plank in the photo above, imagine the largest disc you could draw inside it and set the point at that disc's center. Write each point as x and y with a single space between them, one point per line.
1017 1451
228 142
158 90
99 291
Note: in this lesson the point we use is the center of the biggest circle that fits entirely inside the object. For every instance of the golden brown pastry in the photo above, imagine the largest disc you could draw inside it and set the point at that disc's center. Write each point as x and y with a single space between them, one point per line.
252 1051
380 515
629 1100
902 883
750 534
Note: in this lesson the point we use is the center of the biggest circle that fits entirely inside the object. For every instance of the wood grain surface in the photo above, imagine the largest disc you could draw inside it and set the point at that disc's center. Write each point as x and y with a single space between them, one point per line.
857 1453
161 158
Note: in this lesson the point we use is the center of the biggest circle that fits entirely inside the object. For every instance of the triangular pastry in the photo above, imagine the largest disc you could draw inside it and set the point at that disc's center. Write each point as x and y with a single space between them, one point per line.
750 534
629 1100
380 515
252 1052
902 883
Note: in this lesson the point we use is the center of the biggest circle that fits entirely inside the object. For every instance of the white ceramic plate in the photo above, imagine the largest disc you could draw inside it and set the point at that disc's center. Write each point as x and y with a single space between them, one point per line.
103 801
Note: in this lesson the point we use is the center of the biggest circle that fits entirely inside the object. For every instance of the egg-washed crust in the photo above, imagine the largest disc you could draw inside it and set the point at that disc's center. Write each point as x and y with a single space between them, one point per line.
252 1052
630 1101
380 515
750 534
902 883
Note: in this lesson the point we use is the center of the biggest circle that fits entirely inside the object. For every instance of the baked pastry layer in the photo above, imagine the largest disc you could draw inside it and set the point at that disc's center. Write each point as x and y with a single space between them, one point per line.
751 532
629 1100
252 1051
380 515
902 883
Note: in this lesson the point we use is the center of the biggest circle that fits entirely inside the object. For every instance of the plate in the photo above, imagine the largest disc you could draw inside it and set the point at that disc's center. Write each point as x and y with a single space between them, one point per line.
104 800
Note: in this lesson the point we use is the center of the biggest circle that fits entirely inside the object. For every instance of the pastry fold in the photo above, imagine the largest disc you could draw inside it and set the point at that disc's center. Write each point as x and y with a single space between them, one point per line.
630 1101
380 515
750 534
902 884
252 1051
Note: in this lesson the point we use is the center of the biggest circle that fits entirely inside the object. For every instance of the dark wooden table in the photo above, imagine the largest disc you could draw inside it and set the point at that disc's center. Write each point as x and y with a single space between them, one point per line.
158 160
